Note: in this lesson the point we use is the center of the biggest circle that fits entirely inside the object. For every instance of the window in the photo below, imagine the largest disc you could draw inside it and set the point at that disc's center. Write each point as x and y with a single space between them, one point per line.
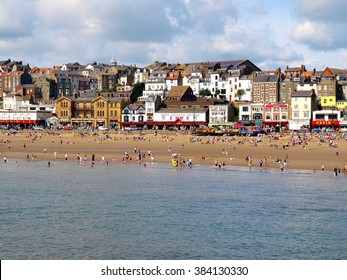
244 109
296 114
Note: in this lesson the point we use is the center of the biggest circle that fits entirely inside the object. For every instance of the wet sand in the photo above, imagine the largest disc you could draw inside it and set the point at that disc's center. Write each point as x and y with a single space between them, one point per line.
203 150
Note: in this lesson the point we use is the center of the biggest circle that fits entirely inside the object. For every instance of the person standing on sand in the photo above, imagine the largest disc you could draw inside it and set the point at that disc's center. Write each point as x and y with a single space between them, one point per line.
322 167
66 157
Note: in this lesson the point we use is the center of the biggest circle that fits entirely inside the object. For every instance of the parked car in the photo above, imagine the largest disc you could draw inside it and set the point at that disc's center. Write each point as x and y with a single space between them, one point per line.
102 128
36 127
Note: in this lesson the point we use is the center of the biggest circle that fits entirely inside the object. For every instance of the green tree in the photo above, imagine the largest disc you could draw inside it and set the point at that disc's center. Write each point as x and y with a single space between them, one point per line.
239 93
204 92
217 92
137 91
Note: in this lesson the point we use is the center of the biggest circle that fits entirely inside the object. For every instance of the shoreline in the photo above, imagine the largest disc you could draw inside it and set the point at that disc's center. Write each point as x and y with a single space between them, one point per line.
308 154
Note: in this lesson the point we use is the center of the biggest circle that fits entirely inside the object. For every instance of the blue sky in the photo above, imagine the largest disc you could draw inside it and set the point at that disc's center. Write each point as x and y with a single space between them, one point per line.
271 34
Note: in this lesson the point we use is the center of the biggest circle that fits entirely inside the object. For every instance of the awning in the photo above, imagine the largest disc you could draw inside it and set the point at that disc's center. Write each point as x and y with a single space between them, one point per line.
272 123
325 123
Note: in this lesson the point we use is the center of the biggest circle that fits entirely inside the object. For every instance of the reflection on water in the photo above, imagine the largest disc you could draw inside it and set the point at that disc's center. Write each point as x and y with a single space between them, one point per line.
70 211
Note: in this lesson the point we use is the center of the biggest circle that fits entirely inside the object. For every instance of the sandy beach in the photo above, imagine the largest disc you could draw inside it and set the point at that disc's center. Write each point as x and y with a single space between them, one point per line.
298 151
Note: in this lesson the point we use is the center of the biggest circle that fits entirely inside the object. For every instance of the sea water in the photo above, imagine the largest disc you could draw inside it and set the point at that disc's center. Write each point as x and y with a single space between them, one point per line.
132 211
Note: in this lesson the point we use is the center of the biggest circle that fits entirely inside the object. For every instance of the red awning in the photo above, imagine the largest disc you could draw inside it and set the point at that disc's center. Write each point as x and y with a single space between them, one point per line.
325 123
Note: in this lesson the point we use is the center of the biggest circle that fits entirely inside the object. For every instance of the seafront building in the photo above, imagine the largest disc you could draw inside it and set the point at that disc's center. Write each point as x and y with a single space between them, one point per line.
91 110
98 94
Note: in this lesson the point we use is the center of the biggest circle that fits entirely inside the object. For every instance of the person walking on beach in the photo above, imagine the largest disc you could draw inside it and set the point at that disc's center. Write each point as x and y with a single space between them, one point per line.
66 158
322 167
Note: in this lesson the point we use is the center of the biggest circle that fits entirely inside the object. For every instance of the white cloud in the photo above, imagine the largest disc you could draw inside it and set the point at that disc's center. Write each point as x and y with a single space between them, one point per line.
320 36
258 45
323 10
323 23
173 21
313 33
140 31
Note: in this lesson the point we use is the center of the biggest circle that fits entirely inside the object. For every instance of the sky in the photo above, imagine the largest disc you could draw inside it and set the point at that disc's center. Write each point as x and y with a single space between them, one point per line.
271 34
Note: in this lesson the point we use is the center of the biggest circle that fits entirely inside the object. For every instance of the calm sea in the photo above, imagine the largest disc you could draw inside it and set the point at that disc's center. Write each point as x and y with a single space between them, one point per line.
70 211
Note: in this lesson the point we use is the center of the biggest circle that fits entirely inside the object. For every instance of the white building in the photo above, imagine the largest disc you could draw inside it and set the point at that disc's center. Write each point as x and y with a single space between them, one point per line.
326 118
140 75
194 81
178 117
308 86
173 79
303 103
24 118
133 115
251 113
18 102
245 83
156 85
245 113
219 114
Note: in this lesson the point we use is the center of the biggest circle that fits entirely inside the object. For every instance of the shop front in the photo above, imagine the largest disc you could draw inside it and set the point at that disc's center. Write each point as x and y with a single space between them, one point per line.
334 124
